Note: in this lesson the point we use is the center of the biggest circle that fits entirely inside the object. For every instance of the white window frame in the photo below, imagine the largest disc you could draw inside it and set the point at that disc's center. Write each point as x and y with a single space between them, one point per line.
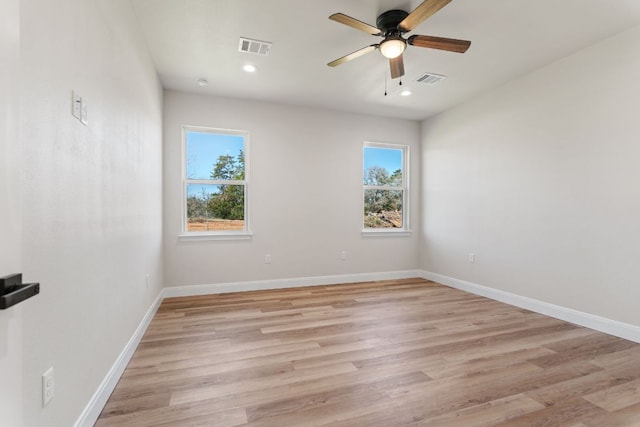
223 234
405 230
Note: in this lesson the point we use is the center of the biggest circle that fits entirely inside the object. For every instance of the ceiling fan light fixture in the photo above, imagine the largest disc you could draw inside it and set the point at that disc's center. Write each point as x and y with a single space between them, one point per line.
392 26
392 47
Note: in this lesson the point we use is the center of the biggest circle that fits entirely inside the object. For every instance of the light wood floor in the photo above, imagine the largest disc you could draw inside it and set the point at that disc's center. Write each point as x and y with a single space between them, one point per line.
394 353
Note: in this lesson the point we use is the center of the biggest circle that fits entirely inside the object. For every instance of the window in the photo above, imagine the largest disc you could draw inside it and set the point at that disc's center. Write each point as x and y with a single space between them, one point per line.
385 180
215 181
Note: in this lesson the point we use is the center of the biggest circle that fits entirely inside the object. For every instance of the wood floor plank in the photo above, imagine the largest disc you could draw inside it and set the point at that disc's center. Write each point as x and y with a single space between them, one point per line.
387 353
563 413
616 397
618 358
627 417
369 391
485 414
194 394
574 387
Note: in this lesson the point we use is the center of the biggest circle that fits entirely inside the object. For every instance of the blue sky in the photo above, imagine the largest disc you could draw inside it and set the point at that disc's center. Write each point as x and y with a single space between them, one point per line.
388 158
203 149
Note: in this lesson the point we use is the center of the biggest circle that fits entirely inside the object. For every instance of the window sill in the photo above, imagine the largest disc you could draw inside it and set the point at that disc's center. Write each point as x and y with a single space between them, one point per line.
190 237
386 233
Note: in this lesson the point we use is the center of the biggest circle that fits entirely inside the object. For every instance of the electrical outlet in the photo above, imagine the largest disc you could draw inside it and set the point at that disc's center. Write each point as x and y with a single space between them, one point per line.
48 387
343 255
267 259
472 258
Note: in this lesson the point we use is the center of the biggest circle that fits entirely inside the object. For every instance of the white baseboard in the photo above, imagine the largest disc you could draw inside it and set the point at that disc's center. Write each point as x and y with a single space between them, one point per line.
92 411
259 285
602 324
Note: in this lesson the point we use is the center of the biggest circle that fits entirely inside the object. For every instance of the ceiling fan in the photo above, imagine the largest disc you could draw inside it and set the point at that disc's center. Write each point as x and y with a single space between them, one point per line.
392 25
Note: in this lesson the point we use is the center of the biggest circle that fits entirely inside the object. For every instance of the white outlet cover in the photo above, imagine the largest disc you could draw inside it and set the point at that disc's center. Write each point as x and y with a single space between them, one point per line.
48 386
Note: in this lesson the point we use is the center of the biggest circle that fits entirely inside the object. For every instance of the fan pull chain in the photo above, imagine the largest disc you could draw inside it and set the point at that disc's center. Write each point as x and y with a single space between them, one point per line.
385 83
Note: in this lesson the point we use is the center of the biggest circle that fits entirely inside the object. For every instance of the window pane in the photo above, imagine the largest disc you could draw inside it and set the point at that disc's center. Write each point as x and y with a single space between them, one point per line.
214 156
382 209
382 166
215 207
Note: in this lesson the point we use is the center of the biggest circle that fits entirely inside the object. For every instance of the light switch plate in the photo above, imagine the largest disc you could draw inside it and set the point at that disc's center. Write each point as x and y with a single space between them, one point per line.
76 105
84 112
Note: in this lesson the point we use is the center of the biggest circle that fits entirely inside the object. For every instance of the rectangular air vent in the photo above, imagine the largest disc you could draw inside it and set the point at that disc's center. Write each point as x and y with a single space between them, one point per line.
258 47
430 79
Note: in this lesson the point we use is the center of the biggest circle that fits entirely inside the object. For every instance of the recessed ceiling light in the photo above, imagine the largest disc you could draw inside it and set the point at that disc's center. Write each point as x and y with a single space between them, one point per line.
405 92
203 82
249 68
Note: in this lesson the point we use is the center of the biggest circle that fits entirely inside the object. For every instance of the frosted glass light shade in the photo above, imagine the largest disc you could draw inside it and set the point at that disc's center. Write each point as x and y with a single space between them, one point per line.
392 48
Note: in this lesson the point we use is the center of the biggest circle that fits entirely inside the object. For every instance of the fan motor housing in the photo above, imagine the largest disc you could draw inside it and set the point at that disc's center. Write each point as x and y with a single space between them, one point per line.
389 20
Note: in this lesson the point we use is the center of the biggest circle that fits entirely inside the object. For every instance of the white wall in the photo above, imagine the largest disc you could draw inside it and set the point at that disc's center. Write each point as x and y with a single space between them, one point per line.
11 320
92 198
305 193
540 179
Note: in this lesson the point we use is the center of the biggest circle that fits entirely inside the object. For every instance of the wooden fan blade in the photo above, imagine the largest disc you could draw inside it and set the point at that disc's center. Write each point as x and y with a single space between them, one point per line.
451 45
397 67
353 55
420 13
354 23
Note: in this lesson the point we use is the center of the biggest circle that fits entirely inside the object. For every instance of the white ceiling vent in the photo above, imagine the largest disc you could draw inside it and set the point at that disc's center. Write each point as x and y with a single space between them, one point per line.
430 79
258 47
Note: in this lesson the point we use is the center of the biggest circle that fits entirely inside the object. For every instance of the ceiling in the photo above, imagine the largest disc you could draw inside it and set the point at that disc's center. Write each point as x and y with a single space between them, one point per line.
192 39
